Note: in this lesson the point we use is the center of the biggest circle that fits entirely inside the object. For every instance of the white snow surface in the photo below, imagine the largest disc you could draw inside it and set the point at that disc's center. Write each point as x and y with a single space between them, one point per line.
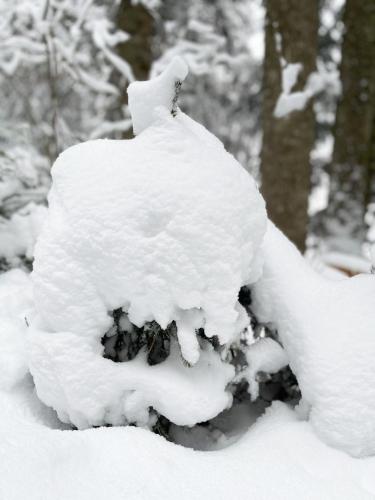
168 226
327 329
264 355
86 389
166 222
278 458
146 97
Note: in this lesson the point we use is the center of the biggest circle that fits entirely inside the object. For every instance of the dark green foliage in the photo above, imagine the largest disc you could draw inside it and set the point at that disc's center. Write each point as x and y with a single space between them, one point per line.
124 340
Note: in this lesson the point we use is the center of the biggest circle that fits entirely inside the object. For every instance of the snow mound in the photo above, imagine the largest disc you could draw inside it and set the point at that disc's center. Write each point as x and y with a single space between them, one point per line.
166 226
66 367
327 329
278 458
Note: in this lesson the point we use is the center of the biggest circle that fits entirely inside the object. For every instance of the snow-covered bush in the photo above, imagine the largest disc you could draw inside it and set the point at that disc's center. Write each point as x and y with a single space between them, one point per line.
154 258
147 241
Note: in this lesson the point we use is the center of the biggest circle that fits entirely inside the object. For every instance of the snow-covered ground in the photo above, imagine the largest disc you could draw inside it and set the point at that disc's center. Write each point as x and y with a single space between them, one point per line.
280 457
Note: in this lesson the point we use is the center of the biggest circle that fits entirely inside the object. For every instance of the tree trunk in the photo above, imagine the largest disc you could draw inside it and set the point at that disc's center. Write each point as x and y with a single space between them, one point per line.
353 164
137 21
291 37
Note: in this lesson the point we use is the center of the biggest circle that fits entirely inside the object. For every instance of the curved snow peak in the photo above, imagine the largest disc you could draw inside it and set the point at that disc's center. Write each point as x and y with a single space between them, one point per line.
146 97
328 331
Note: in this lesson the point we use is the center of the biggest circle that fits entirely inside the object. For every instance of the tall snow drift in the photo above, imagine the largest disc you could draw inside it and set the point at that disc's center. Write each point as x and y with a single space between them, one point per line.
328 332
166 226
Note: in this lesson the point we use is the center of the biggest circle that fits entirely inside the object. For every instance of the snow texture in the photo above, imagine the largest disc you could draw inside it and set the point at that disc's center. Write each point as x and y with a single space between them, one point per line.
86 389
146 97
279 457
167 226
327 329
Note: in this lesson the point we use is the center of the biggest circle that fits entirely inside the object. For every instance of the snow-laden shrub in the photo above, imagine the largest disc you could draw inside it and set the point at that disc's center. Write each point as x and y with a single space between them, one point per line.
147 241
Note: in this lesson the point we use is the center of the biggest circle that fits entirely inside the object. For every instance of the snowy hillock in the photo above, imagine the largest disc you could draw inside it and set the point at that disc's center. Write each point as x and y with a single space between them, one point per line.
164 228
327 328
278 457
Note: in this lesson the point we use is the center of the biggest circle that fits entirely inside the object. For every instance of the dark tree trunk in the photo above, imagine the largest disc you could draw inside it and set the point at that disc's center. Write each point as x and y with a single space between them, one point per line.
353 164
291 35
136 20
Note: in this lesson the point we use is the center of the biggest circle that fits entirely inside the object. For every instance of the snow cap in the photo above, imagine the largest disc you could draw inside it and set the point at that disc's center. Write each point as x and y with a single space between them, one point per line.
161 91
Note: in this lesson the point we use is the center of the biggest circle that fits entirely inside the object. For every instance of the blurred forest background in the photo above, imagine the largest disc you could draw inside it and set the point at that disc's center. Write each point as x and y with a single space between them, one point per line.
288 86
